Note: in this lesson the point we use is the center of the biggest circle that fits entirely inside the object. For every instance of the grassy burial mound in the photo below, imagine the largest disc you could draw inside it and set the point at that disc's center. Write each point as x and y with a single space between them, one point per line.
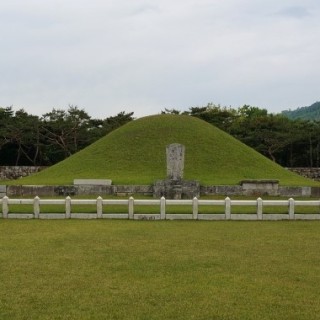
136 154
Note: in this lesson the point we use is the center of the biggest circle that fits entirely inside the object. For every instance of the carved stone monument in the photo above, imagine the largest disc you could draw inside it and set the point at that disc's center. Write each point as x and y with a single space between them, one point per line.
174 187
175 161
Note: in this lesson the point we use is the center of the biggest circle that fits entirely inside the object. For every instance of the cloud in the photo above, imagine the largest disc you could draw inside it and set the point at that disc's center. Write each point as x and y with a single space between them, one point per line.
145 55
295 12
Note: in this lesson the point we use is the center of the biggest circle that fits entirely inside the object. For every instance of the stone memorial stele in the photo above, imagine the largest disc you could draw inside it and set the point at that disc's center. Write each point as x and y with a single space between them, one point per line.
174 186
175 161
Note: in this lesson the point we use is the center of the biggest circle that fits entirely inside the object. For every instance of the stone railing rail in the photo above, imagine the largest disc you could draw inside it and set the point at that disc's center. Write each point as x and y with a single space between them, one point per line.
130 203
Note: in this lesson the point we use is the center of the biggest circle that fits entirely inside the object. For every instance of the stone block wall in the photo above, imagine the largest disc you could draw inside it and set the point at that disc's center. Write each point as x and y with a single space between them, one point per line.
72 190
148 190
311 173
189 189
221 190
16 172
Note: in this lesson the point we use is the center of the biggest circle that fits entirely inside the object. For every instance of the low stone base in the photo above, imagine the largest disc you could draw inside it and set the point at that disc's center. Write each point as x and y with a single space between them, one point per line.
176 189
92 182
260 187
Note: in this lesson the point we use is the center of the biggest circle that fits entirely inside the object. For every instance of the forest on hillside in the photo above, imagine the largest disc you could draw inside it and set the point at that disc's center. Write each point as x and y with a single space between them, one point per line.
27 139
306 113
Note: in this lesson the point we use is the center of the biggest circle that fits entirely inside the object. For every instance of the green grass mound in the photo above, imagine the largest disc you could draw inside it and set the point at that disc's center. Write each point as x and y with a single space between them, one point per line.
136 154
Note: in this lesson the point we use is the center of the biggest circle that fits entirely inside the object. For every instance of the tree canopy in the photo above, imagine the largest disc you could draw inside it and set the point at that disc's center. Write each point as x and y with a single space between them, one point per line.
27 139
32 140
289 142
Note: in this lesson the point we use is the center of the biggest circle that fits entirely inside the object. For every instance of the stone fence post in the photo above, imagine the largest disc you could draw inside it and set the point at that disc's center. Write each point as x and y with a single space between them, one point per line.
162 208
131 208
228 208
36 207
195 208
5 207
259 208
68 207
99 208
291 209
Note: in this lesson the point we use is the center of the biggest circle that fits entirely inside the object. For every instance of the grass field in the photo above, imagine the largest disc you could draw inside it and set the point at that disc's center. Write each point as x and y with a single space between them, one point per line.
159 270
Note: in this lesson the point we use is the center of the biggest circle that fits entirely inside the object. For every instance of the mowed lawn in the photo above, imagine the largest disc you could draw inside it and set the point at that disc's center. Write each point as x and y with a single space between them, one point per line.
159 270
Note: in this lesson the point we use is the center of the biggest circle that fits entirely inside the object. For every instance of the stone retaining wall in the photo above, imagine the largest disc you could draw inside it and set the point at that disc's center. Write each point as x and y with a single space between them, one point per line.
311 173
9 172
148 190
71 190
240 191
16 172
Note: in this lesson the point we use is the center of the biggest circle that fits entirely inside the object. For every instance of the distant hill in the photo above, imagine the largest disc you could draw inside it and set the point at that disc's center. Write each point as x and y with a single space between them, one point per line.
306 113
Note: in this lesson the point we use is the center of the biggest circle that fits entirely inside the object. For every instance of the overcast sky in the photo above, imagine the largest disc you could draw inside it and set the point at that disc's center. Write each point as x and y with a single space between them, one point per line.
108 56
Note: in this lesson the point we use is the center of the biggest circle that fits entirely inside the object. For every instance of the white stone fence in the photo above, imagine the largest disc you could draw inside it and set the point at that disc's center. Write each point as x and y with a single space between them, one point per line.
227 206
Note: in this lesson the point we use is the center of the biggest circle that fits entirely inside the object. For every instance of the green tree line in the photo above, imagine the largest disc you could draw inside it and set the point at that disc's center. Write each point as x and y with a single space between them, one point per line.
289 142
27 139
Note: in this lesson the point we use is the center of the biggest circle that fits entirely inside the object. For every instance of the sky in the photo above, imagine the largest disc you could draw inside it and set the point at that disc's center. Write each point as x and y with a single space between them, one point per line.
142 56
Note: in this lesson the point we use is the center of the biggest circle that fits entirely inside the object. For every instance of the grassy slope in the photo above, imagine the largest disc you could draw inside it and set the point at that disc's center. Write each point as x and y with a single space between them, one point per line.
135 154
